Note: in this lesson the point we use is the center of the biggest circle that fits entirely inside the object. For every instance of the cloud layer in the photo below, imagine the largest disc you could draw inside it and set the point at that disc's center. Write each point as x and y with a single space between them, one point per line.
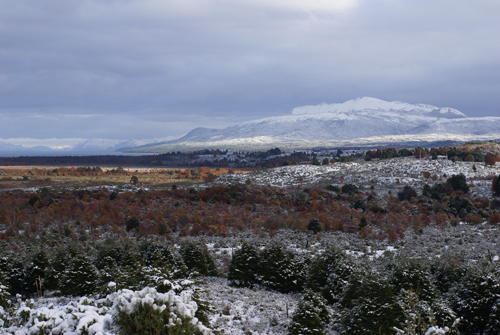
156 68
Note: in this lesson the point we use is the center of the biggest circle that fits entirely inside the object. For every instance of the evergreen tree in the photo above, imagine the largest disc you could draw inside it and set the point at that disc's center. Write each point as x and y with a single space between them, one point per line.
35 271
197 258
244 266
80 277
329 273
278 270
474 296
412 275
493 326
369 305
163 255
314 226
311 316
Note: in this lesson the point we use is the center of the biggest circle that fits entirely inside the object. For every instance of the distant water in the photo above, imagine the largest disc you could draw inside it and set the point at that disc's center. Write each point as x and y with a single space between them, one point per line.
25 153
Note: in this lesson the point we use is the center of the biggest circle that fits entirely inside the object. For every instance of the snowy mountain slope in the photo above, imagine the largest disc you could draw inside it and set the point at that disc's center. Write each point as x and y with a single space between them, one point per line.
349 121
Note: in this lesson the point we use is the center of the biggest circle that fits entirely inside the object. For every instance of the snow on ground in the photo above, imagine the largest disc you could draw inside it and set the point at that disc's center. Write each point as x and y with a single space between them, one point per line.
384 174
242 311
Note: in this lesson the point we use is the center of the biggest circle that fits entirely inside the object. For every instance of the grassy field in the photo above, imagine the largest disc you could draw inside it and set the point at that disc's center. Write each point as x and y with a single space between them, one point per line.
23 177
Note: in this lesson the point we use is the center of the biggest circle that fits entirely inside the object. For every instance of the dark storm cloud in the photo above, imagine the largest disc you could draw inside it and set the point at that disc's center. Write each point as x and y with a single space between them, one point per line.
151 68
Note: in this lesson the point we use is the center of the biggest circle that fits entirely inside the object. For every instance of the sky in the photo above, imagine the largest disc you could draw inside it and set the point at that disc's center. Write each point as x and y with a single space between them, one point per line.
120 69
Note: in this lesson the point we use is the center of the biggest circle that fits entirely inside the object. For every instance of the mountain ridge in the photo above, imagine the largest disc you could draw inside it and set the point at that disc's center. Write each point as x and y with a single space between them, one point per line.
352 120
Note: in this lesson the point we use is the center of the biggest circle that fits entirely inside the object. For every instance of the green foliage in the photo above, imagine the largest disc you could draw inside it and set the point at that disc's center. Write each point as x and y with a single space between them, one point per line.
461 206
349 188
311 316
113 196
369 305
146 319
325 161
496 185
35 271
80 277
197 258
459 183
329 272
316 162
132 223
163 255
474 297
493 326
33 199
244 266
411 275
314 226
280 269
407 193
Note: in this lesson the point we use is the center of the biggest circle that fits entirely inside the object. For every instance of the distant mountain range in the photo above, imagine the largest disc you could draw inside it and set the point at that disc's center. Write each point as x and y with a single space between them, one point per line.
359 122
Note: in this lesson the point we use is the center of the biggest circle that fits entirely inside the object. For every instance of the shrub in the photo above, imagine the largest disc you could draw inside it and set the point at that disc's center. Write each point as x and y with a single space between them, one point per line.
150 312
495 185
132 223
34 199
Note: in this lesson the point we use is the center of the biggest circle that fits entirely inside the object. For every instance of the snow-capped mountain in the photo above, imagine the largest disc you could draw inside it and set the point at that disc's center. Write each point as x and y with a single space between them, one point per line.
339 124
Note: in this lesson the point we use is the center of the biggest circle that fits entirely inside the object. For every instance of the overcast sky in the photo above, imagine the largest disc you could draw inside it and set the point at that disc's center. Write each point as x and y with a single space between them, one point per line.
122 69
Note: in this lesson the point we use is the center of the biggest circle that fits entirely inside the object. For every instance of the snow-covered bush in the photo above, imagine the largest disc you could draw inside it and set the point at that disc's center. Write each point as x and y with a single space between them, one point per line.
123 312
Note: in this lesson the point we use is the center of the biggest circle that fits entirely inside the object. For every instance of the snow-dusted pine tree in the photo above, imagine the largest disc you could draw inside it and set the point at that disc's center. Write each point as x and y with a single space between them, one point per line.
329 273
475 295
197 258
80 277
368 305
244 266
311 316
